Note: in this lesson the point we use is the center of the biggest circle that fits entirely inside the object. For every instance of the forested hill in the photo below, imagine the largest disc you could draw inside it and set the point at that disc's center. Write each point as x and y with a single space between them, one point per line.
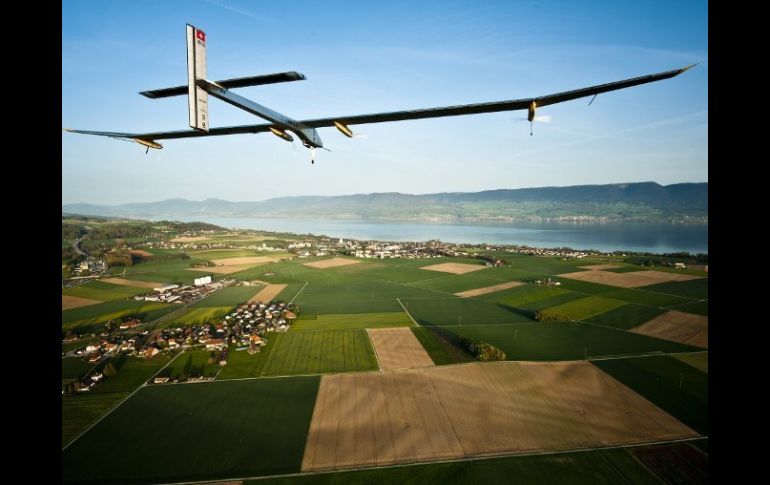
640 201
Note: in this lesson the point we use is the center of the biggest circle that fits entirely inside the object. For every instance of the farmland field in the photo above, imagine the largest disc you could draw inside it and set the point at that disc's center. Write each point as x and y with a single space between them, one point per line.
698 360
560 299
564 341
132 373
627 316
74 367
192 363
658 379
241 364
646 297
231 296
696 307
339 293
96 290
678 327
391 417
524 294
97 314
696 289
68 302
459 311
181 276
315 352
352 321
583 308
584 286
443 347
80 410
196 315
602 467
199 431
398 348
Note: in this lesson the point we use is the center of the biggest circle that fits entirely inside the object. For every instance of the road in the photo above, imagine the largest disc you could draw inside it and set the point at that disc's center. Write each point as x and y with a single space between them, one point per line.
76 247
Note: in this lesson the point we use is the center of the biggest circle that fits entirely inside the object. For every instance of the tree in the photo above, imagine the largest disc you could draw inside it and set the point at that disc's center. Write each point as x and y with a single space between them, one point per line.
109 370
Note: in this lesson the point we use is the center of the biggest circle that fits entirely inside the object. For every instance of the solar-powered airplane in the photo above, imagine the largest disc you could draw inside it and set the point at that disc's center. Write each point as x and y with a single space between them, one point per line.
199 87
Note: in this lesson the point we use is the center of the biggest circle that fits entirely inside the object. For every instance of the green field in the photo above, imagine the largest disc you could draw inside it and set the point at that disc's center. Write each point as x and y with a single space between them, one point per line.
97 290
453 283
80 410
564 341
340 293
316 352
209 254
645 297
132 373
192 363
197 432
74 367
289 292
658 379
590 468
198 315
94 315
698 360
443 347
231 296
697 307
582 308
179 276
695 289
460 311
521 295
584 286
627 316
560 299
352 321
241 364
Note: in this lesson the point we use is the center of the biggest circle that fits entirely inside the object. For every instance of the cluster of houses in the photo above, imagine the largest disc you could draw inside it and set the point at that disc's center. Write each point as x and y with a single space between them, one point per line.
245 327
90 266
256 319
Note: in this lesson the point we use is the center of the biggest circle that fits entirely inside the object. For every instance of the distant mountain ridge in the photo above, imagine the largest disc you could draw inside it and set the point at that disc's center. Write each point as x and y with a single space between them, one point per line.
638 201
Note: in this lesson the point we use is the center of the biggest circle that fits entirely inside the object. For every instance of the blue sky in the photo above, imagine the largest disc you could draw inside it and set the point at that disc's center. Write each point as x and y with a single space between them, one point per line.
384 56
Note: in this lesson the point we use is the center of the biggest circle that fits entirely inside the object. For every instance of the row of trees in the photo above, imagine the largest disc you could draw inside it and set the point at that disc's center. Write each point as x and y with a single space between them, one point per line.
550 316
482 351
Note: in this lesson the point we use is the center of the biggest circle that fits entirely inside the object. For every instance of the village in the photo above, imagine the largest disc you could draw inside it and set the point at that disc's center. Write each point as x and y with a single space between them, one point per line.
245 328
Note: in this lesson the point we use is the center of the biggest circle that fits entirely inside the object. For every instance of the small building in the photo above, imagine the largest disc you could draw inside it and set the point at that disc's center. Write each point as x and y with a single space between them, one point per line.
203 281
215 343
164 288
151 352
160 380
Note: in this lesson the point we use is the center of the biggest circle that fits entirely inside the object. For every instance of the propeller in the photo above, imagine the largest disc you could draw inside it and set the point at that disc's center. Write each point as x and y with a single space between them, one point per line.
539 119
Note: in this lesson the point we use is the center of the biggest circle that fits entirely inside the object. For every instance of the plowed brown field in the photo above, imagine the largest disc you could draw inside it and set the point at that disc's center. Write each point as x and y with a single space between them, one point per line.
370 419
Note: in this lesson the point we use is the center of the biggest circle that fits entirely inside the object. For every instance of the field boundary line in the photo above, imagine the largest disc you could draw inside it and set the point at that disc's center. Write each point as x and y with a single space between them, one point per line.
376 355
407 312
116 406
458 460
300 291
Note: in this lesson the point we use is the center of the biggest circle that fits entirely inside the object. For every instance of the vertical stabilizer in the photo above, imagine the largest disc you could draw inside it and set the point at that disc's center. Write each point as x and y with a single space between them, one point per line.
197 98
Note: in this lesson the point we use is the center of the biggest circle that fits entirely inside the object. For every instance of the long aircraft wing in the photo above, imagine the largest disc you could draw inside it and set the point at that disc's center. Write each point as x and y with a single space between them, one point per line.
464 109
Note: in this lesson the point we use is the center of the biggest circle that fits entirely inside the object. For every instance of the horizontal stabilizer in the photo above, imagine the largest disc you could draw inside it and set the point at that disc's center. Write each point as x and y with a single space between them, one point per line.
240 82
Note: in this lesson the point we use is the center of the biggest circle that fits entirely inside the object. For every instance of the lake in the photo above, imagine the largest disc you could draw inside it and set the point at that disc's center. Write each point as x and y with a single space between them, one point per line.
640 237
